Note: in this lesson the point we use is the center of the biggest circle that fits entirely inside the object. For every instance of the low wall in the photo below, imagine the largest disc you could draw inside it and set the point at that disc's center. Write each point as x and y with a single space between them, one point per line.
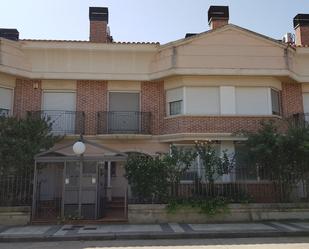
15 215
157 213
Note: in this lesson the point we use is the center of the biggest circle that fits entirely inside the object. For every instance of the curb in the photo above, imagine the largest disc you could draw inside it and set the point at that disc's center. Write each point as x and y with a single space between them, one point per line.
151 236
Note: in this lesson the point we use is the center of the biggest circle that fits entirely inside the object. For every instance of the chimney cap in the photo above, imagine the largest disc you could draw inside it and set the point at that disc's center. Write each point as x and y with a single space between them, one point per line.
190 35
11 34
98 14
219 12
301 19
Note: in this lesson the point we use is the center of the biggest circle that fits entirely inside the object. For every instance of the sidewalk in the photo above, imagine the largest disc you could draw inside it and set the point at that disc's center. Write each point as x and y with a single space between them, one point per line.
152 231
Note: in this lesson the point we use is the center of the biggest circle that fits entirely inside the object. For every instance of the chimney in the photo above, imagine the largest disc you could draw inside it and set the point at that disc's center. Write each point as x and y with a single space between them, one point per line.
11 34
301 26
99 30
218 16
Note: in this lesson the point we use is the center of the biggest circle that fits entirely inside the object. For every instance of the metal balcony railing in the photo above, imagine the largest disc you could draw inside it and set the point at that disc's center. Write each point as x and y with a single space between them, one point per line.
300 119
4 112
123 122
63 122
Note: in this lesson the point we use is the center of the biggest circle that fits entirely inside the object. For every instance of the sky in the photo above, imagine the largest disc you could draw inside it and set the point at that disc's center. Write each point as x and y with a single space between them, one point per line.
144 20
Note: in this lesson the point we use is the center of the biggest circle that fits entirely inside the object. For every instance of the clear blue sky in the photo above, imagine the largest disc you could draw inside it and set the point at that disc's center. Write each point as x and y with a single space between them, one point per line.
145 20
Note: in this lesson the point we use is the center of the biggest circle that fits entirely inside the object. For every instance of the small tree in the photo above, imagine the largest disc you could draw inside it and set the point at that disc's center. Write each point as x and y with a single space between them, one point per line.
20 141
177 162
214 165
147 177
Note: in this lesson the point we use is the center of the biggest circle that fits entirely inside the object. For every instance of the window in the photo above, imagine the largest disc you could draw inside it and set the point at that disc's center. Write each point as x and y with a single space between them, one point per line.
174 101
6 97
175 107
252 101
275 102
202 100
245 170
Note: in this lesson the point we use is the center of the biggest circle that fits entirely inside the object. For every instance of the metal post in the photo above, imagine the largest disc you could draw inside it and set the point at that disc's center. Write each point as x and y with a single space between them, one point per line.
63 188
109 174
33 211
80 186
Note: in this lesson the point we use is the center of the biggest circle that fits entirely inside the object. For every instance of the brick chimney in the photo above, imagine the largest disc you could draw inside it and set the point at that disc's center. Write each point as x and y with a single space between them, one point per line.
99 30
301 26
11 34
218 16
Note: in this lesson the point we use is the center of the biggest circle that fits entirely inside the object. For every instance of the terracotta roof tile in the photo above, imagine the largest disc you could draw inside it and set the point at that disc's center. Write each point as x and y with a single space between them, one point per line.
128 43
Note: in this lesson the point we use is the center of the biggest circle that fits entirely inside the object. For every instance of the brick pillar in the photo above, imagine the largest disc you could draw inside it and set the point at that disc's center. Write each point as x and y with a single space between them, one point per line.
27 96
153 100
292 99
91 98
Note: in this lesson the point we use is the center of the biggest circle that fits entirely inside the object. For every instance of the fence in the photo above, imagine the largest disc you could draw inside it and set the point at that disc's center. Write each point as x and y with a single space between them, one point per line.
123 122
63 122
240 185
16 190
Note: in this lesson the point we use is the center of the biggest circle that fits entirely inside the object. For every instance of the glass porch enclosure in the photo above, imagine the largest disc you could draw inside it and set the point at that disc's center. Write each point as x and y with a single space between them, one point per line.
69 187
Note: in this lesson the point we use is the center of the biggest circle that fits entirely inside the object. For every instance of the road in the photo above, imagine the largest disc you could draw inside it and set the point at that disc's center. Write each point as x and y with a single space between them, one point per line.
252 243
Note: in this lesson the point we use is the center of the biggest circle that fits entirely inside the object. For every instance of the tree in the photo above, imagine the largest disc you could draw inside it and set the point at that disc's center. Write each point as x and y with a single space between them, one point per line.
147 177
20 141
177 162
213 164
280 156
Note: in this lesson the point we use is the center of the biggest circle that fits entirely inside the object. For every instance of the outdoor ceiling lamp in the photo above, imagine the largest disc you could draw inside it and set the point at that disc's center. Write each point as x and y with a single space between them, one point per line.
79 148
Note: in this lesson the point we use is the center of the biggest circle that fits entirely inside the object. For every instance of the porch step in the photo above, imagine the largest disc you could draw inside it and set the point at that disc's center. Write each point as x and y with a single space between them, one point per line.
116 203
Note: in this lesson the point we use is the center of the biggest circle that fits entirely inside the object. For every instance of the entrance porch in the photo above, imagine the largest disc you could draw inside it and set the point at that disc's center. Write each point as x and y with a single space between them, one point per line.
88 187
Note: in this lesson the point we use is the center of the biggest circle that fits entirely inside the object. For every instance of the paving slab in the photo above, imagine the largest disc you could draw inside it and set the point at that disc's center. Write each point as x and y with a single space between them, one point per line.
122 229
26 230
231 227
152 231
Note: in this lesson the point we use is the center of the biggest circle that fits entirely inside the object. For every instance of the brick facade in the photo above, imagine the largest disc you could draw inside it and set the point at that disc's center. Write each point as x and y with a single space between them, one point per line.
98 32
292 99
153 100
212 124
91 98
217 23
27 96
302 35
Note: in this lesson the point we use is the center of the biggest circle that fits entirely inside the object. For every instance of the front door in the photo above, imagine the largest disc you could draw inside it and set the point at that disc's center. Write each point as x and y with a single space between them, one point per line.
80 190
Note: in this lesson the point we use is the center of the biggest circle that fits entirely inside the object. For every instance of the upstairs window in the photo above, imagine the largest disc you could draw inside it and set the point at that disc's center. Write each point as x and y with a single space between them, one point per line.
6 99
175 107
174 101
275 102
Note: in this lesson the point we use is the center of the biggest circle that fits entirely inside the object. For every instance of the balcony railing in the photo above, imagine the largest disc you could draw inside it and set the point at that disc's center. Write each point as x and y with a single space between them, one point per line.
300 119
4 112
63 122
118 122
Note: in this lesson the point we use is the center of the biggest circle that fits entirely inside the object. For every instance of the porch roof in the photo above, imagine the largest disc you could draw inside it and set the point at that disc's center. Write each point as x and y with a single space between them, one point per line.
94 152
